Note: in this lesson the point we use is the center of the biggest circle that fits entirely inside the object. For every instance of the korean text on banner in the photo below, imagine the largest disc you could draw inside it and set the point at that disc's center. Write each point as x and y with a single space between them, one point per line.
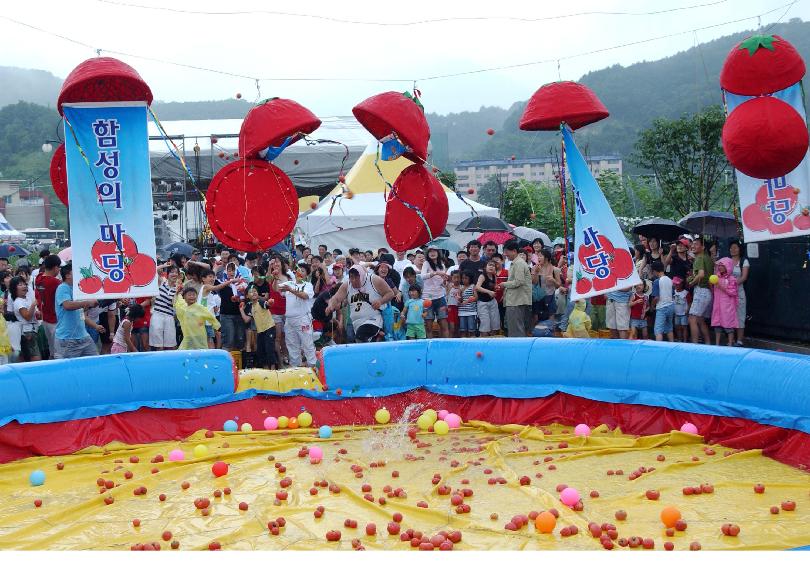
110 193
774 208
602 262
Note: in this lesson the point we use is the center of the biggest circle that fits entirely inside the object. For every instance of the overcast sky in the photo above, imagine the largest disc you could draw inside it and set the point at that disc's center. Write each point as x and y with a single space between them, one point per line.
274 45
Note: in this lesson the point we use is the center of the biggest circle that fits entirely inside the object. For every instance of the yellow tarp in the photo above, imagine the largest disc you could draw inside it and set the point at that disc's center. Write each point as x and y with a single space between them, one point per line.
74 516
278 380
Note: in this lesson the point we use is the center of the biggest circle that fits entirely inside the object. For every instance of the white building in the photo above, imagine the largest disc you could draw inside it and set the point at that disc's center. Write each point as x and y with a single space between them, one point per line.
474 174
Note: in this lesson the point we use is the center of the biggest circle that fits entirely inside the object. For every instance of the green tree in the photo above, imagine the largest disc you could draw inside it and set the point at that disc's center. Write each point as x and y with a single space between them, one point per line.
447 178
687 160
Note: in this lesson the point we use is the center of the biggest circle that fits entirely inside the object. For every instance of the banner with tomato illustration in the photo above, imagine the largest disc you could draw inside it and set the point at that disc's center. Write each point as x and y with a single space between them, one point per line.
602 262
779 207
110 196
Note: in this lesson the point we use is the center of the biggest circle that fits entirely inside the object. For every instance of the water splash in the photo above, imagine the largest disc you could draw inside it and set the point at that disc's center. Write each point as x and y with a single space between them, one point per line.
391 442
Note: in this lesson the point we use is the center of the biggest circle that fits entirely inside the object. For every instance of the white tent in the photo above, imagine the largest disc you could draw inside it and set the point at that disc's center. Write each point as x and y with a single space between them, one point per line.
8 233
344 223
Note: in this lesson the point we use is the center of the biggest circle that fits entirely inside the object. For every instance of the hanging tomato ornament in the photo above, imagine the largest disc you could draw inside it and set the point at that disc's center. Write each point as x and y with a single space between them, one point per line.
398 114
59 174
274 125
565 101
221 155
415 192
490 131
761 64
214 139
103 79
237 205
238 95
765 138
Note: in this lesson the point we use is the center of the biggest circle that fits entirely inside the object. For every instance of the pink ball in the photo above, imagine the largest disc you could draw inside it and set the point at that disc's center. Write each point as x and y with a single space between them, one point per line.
315 455
443 413
582 430
452 420
569 496
176 455
270 423
689 428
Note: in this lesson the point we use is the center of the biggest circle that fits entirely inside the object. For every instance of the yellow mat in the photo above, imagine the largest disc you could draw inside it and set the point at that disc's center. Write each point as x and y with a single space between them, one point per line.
278 380
73 514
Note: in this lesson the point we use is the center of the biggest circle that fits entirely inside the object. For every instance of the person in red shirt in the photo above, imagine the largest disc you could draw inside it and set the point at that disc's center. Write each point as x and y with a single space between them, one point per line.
140 328
45 292
501 275
638 310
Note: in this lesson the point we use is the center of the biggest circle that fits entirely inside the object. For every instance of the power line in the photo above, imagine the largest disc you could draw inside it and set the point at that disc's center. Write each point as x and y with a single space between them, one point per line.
786 6
336 20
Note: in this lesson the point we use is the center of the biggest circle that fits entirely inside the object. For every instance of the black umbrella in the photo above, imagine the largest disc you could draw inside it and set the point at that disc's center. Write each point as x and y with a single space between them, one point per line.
662 229
715 223
483 224
182 248
9 250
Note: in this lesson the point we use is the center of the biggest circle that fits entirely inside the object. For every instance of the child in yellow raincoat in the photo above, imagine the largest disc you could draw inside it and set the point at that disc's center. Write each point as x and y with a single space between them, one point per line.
5 343
579 324
193 316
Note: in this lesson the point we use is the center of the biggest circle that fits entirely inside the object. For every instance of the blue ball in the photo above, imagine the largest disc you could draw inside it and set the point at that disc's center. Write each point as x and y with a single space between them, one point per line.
230 425
325 432
37 478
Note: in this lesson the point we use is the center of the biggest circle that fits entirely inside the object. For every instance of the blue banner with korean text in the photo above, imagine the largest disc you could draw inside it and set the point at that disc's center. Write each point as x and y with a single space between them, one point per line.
602 262
779 207
110 195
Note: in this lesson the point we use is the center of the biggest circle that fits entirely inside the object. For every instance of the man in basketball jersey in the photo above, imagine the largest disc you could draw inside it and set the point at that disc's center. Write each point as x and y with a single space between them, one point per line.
366 293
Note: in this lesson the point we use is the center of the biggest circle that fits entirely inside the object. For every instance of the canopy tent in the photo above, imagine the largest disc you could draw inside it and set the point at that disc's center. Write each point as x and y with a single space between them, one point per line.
8 233
339 222
309 165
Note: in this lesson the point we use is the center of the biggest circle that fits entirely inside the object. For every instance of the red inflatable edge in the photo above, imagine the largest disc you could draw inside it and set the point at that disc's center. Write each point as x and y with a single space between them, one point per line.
148 425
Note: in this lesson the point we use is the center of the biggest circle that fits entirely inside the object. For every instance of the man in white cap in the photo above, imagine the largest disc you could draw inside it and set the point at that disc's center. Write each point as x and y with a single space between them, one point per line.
366 293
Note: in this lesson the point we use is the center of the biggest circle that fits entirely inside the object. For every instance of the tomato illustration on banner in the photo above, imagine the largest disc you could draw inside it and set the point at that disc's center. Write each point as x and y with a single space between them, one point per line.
602 262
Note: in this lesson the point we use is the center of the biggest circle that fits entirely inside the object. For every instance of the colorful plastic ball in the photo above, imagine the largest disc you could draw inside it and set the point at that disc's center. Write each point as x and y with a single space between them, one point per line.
569 496
689 428
424 422
283 422
441 427
453 421
270 423
325 432
382 416
292 423
443 413
200 451
177 455
37 478
220 468
246 427
304 419
431 413
545 522
713 279
670 515
315 455
230 425
582 430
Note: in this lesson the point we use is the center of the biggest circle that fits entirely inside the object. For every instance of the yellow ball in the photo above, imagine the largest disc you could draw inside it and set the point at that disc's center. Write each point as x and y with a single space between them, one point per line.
441 427
304 419
424 422
713 279
432 415
382 416
246 428
283 422
200 451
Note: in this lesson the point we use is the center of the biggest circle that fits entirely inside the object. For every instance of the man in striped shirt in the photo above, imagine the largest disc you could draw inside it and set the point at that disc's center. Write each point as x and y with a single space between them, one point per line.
162 333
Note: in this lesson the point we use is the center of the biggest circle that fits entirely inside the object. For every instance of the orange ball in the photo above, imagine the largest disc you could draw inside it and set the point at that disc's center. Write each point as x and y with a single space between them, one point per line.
545 522
427 303
670 515
293 423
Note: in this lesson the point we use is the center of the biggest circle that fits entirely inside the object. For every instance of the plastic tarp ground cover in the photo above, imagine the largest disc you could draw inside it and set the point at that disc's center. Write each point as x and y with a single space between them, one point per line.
763 386
61 390
73 514
146 425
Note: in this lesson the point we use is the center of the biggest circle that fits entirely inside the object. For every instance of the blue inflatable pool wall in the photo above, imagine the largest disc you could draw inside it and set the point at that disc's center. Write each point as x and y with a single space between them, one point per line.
768 387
